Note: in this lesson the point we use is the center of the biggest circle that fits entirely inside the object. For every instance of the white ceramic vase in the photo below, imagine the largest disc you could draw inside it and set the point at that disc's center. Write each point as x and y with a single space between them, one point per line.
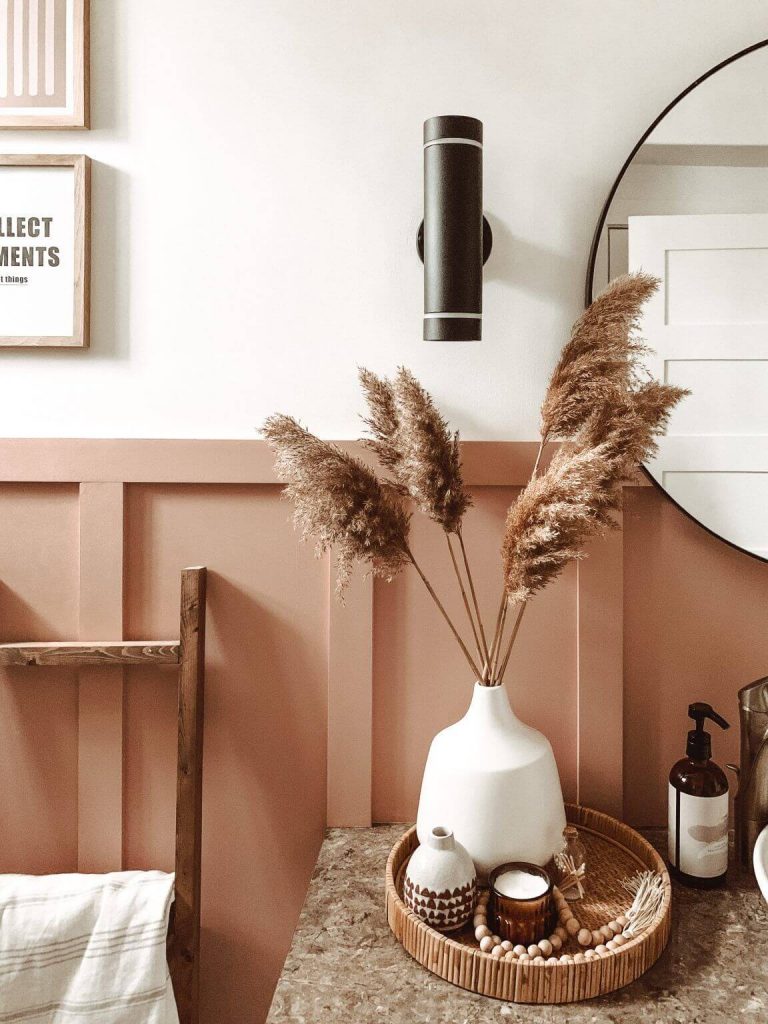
493 781
440 881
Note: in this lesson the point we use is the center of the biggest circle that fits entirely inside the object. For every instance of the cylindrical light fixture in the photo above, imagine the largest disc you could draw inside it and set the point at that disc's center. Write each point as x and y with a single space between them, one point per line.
452 237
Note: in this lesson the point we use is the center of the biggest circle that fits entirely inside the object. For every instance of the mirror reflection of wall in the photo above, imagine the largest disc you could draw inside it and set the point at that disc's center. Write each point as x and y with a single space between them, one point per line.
692 208
708 155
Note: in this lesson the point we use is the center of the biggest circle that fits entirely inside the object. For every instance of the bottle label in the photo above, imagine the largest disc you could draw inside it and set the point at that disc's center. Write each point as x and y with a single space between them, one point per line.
698 833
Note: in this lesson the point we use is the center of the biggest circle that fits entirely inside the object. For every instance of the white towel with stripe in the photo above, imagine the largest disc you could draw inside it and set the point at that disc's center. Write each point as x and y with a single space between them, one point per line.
85 948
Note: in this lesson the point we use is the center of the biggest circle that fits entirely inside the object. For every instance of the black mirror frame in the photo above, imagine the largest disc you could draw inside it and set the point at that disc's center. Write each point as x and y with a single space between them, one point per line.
589 283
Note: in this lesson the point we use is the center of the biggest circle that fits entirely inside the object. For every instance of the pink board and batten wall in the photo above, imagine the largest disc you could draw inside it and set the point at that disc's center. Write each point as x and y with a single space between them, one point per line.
316 712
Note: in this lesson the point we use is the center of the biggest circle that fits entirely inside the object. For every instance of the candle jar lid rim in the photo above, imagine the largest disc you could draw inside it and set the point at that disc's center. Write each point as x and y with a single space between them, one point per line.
528 868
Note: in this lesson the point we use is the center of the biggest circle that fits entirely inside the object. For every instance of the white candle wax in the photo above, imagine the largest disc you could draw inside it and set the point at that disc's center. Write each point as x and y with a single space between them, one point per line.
520 885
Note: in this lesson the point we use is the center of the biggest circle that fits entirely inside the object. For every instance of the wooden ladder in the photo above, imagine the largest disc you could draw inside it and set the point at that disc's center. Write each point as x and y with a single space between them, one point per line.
188 653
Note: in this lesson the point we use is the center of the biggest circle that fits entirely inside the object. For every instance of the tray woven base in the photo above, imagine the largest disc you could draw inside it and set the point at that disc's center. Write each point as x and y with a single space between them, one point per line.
615 852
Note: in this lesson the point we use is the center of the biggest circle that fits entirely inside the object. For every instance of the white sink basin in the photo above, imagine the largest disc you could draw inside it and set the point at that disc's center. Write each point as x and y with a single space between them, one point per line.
760 861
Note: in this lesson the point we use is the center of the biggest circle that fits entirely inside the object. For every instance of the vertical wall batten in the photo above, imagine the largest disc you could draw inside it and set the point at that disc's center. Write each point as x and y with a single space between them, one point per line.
100 714
600 675
350 702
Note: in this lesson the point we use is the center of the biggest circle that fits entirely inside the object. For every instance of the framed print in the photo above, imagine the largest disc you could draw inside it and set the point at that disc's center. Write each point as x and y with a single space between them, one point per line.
44 251
44 63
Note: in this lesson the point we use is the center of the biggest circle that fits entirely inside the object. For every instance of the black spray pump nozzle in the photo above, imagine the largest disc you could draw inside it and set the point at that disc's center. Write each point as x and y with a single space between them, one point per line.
700 742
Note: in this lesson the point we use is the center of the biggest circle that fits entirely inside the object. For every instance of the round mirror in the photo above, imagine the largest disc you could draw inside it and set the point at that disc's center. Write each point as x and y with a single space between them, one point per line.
690 206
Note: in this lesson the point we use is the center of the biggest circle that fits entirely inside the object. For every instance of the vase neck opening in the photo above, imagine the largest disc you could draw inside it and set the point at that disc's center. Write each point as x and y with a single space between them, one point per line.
491 703
441 838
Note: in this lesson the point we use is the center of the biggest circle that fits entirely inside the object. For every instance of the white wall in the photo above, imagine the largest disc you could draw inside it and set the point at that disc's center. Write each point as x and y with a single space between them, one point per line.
258 186
728 109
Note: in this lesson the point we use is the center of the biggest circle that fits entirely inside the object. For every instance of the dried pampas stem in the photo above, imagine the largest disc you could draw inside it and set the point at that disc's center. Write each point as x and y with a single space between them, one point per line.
539 453
445 615
599 362
412 439
339 501
480 652
486 651
383 419
501 622
627 430
648 890
501 616
553 516
429 464
512 638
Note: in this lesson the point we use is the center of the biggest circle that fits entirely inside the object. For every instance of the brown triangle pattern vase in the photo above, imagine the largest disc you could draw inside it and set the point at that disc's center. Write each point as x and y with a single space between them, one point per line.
440 882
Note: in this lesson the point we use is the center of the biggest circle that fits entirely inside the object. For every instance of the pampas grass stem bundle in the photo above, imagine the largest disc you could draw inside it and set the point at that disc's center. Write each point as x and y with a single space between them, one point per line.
601 406
446 616
464 598
608 421
600 358
413 441
499 675
341 503
471 582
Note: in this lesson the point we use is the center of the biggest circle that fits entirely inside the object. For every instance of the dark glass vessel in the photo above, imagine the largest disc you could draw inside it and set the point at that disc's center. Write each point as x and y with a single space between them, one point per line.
698 778
698 814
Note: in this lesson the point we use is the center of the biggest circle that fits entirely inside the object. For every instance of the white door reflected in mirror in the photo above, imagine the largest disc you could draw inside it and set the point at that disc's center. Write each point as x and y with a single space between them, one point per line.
692 209
708 328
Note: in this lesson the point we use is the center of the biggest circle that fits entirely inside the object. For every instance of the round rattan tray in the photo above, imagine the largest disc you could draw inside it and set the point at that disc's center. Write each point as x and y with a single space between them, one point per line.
614 853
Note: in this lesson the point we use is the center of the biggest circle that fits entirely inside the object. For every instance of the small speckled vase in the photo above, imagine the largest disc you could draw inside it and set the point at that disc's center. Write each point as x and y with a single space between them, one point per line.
440 881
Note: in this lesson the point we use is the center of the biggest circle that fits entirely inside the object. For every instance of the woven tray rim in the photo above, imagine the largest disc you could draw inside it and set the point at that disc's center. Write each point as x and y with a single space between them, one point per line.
469 968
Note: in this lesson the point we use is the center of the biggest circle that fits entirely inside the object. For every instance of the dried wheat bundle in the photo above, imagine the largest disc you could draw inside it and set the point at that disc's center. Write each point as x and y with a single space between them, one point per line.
647 887
338 501
599 362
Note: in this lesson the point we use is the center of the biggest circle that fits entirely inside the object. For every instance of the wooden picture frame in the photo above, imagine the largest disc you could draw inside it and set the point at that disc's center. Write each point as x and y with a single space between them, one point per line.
74 262
45 54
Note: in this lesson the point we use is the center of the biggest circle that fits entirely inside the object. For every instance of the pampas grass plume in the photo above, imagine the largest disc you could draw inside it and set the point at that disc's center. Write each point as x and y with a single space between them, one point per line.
339 501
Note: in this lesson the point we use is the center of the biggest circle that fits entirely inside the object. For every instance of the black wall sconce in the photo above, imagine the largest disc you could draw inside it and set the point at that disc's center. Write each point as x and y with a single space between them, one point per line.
454 239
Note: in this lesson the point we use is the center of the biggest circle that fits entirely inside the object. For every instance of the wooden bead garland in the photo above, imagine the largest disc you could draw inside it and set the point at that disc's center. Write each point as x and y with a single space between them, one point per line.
598 943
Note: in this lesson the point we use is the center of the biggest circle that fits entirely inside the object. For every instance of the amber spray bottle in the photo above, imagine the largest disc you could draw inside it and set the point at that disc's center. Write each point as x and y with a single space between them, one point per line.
698 809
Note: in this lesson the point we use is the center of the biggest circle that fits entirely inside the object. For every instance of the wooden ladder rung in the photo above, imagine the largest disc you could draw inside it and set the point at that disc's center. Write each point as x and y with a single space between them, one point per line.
82 652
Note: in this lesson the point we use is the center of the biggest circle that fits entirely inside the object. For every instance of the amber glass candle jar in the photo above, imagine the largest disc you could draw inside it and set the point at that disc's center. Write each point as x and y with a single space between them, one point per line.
522 907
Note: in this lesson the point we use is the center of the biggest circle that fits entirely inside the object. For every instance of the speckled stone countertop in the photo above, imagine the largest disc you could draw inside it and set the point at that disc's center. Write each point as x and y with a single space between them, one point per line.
345 965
